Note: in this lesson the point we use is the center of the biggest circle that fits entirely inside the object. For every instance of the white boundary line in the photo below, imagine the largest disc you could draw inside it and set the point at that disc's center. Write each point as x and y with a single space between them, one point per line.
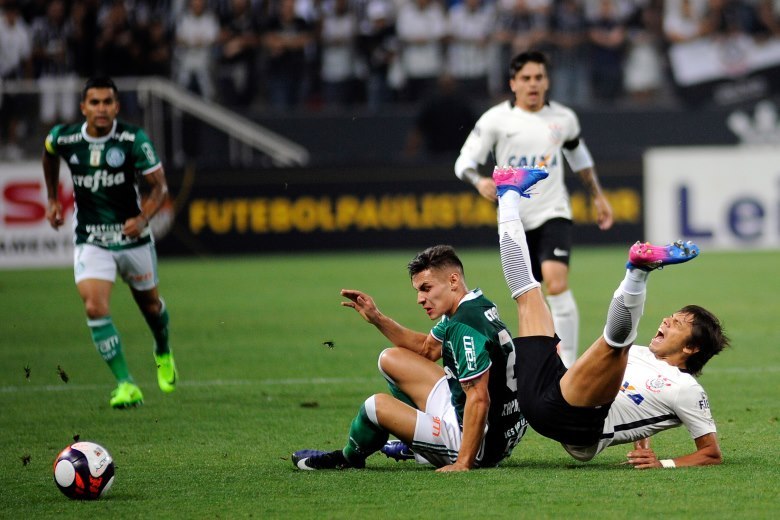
63 387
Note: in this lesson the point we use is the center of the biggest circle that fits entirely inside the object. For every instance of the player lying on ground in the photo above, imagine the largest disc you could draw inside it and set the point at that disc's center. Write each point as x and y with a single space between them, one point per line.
457 417
613 394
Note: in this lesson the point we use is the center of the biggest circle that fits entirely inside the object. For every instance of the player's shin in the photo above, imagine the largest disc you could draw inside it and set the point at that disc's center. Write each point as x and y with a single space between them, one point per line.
158 324
626 309
567 324
365 434
109 346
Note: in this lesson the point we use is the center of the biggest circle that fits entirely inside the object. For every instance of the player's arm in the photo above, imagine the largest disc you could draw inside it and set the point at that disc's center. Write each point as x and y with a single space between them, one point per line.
707 453
51 175
475 414
579 158
151 205
400 336
466 166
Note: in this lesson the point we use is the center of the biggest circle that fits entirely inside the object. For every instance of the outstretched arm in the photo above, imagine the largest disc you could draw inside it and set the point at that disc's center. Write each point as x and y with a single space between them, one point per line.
707 453
474 418
423 344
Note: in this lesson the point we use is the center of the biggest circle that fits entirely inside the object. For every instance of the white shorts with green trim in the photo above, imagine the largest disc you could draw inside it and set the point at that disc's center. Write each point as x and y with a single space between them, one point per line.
437 434
137 266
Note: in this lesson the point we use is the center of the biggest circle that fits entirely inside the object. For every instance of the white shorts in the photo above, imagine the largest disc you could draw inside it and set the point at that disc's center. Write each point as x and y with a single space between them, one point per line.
437 434
137 265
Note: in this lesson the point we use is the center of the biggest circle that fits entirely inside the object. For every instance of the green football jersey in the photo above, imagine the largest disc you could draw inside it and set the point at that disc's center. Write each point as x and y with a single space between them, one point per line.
105 174
474 340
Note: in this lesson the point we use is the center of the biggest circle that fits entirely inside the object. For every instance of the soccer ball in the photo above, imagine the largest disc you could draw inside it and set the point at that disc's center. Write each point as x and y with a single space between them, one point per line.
84 471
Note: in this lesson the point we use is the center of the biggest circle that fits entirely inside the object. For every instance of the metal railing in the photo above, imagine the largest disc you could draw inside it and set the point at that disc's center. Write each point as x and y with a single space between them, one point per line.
155 93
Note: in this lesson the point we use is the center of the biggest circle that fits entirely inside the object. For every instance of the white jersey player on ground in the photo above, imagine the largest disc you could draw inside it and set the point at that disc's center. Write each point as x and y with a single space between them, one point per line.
530 131
613 393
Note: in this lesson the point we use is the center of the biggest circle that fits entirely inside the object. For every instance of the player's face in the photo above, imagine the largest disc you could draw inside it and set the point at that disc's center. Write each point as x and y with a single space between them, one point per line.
530 86
671 341
100 107
436 291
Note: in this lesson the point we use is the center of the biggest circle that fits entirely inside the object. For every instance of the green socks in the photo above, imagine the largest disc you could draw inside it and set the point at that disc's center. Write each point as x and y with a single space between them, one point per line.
365 434
109 346
159 326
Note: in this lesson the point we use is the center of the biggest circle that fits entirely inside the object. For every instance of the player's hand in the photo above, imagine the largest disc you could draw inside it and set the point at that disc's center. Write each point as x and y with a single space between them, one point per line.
362 303
54 214
603 212
643 459
134 226
452 468
487 188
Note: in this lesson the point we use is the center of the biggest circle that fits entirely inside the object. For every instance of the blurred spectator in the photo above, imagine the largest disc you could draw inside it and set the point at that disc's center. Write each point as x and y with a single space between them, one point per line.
82 34
196 35
237 62
607 36
53 63
378 50
442 124
117 53
644 65
157 50
421 27
685 20
769 13
469 28
337 39
286 37
736 18
15 63
518 28
569 54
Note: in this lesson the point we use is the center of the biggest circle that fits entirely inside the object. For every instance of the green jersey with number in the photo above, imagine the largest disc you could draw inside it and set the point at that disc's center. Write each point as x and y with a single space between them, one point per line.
475 341
105 172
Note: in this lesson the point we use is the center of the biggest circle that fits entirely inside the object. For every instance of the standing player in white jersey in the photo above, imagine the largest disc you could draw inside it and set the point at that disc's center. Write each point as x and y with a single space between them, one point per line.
614 393
530 131
106 157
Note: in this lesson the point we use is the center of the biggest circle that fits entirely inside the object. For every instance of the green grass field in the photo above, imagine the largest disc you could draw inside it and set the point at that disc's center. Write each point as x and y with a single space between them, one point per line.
257 383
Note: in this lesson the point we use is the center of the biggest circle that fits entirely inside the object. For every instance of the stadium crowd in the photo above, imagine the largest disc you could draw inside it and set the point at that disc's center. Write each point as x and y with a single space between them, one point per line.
315 54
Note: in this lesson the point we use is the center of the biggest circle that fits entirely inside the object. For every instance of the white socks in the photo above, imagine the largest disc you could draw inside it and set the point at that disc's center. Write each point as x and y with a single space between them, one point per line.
627 305
567 324
515 259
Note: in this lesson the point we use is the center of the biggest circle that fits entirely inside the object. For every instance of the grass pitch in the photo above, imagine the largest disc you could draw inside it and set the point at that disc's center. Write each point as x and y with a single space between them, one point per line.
259 381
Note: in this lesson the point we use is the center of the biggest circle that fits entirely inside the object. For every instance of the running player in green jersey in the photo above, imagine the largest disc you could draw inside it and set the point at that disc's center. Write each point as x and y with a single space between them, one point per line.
106 158
459 416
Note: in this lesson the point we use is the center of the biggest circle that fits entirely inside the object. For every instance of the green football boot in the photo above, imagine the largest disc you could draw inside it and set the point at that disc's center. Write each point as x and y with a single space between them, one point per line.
166 372
126 395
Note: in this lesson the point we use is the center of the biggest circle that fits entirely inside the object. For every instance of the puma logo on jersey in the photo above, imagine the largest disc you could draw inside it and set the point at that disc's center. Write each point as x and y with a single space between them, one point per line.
101 178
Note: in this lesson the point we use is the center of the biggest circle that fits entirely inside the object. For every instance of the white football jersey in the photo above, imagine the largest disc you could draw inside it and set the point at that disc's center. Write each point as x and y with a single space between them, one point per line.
655 396
519 138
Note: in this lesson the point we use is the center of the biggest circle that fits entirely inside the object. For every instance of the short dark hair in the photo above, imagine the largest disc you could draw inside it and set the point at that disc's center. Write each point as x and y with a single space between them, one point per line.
519 61
706 334
435 257
99 82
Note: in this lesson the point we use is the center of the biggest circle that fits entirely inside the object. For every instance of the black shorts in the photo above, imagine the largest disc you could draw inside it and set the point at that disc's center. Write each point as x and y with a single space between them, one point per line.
550 241
539 372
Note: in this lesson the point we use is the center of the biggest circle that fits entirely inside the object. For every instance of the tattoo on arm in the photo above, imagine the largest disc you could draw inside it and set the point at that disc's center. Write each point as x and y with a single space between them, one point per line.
467 385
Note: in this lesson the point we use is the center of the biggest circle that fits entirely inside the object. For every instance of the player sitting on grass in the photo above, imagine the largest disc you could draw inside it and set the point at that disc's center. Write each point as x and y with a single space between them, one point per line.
613 394
457 417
